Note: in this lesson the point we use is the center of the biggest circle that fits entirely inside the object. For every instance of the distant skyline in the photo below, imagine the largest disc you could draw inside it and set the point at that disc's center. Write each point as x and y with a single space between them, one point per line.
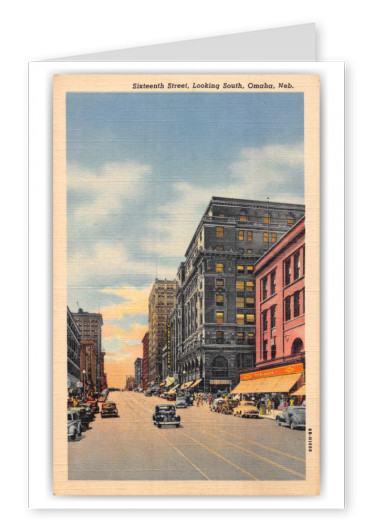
141 169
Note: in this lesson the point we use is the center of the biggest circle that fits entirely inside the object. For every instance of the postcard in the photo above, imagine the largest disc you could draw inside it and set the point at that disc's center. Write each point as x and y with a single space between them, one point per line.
186 284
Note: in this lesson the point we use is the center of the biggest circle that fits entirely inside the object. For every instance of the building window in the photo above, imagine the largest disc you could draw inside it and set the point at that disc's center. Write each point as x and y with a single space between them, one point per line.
266 237
220 367
265 321
221 215
219 336
287 308
219 267
296 266
219 317
296 304
287 272
249 235
240 337
250 285
249 270
219 299
290 221
272 283
240 269
243 216
250 318
274 351
240 285
274 237
219 248
240 302
251 337
249 251
249 302
239 318
219 282
265 288
272 316
265 350
219 232
267 219
241 235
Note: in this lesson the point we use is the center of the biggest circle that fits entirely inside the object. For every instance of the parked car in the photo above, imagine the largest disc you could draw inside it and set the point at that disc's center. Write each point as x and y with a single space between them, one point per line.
148 392
171 397
217 402
246 409
165 414
102 398
109 409
227 406
293 416
181 402
89 411
74 424
93 404
85 418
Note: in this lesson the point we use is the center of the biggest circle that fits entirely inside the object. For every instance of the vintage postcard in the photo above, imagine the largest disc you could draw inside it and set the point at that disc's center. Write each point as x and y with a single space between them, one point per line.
186 284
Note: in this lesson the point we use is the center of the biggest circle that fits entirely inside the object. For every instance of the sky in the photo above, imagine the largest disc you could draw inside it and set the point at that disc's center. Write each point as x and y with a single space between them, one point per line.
141 169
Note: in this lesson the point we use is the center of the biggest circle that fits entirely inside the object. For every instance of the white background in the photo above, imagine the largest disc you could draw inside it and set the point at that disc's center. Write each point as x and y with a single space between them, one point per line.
42 29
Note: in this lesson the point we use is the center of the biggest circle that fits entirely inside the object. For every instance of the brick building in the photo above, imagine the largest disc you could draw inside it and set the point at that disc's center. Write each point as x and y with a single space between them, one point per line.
280 317
213 321
88 362
145 355
161 302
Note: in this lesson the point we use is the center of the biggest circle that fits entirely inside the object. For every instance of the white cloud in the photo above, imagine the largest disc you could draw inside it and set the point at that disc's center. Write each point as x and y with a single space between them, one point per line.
102 194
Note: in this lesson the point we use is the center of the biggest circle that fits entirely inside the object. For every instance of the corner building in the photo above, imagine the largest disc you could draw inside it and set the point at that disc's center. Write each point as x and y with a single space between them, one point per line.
213 321
161 302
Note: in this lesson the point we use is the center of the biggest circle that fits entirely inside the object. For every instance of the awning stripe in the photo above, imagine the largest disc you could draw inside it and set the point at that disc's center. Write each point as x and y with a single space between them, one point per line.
300 392
273 384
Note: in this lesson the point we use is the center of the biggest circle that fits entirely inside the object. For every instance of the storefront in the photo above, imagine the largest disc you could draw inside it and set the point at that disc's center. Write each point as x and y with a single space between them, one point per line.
220 386
285 380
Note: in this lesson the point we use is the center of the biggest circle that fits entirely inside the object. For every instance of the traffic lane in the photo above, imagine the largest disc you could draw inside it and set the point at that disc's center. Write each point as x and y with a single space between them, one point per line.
223 457
126 448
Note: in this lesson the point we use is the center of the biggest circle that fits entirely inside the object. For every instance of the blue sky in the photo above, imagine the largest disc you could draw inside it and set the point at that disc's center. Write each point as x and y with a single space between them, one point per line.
141 169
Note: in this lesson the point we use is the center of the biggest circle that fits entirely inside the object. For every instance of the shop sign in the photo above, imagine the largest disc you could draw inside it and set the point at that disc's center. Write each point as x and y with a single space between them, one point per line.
168 346
278 371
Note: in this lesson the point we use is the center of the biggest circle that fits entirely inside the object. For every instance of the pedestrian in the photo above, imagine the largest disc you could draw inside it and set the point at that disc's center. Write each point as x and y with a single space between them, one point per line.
209 399
202 400
197 401
268 406
291 401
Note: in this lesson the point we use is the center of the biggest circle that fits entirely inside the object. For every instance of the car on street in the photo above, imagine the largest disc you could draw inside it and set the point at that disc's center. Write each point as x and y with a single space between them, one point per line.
181 402
227 406
148 392
93 404
164 415
215 405
109 409
293 416
74 424
246 409
171 397
84 416
89 411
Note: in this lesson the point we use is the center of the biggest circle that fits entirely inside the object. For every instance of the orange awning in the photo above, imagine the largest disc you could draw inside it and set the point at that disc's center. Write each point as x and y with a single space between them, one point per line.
273 384
196 383
300 392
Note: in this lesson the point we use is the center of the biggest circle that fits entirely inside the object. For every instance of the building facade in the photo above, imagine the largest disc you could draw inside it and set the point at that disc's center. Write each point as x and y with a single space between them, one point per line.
88 363
213 320
161 302
145 355
137 372
103 374
90 327
280 317
73 351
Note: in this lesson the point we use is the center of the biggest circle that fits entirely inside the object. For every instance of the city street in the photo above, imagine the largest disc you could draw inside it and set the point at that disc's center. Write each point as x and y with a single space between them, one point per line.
207 446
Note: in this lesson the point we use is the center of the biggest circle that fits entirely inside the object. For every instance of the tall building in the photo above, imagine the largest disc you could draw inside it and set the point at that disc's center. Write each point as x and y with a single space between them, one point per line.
213 321
145 355
90 327
137 372
88 362
161 301
103 374
280 318
73 351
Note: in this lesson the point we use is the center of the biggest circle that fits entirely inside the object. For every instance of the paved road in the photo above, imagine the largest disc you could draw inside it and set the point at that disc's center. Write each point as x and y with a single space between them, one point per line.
207 446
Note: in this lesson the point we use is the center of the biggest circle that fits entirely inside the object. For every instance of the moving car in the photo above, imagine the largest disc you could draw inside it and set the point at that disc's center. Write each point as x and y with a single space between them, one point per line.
74 424
171 397
217 402
165 414
181 402
293 416
246 408
93 404
109 409
227 406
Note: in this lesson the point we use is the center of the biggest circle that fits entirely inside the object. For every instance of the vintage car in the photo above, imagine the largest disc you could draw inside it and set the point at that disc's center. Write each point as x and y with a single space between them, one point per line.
148 392
227 406
89 411
215 405
164 415
293 416
246 408
84 416
93 404
74 424
109 409
181 402
171 397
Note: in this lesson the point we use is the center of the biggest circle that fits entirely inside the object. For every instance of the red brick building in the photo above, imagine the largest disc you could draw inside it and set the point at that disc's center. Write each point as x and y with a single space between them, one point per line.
144 365
88 356
280 317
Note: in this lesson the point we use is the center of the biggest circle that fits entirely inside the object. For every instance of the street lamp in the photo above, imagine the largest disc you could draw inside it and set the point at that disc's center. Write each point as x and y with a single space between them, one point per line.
84 373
